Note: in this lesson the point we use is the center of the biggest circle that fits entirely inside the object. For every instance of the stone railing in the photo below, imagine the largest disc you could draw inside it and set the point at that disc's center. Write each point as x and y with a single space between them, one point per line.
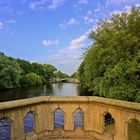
94 110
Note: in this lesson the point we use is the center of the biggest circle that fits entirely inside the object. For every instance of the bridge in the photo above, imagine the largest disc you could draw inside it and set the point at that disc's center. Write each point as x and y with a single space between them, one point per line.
104 119
66 80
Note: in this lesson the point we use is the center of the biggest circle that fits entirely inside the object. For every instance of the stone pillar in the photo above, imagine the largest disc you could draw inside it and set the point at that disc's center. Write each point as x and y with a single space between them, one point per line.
86 110
121 123
50 115
40 120
18 132
69 115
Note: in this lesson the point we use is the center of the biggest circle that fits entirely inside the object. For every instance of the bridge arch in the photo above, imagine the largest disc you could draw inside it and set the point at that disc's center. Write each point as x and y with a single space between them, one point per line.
64 81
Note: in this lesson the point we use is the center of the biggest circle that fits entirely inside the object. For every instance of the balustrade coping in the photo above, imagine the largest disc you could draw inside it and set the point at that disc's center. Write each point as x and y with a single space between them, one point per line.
70 99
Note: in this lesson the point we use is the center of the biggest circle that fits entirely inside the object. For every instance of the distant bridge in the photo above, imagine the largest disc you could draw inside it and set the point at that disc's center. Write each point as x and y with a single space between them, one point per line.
65 80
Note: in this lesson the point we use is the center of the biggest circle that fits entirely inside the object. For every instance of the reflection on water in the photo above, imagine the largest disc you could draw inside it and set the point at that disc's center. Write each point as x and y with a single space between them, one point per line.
55 89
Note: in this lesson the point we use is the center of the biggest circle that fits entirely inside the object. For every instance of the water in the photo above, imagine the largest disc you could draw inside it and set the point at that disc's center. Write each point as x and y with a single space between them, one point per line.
55 89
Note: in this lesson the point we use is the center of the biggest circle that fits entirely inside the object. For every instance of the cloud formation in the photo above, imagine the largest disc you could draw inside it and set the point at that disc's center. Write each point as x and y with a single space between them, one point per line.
1 25
55 4
118 2
71 21
41 4
37 4
88 19
83 1
5 24
66 59
49 42
77 42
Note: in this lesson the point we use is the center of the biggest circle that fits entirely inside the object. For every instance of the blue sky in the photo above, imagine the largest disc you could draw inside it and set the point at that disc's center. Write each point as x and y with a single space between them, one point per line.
53 31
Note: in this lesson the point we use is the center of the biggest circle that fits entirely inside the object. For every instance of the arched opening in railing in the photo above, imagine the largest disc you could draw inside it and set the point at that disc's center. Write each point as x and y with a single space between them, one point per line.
29 121
59 118
109 123
78 118
134 130
5 129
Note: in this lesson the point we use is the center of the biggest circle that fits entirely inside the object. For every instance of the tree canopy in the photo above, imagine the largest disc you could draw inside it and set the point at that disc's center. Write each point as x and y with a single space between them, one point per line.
9 72
19 72
111 67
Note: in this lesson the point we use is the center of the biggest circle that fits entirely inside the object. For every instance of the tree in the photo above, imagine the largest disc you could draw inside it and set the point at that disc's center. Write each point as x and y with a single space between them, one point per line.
24 65
9 73
74 75
31 79
60 74
112 64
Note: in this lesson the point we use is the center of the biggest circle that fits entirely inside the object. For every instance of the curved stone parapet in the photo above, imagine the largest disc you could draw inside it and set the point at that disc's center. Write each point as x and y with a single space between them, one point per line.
94 111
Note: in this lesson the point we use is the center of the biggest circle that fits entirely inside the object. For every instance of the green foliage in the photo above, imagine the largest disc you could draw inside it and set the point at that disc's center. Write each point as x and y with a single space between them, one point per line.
112 64
31 79
74 75
9 72
60 74
24 65
50 70
19 72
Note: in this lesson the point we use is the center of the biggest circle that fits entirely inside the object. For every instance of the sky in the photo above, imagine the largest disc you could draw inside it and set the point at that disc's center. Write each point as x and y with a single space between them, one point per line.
53 31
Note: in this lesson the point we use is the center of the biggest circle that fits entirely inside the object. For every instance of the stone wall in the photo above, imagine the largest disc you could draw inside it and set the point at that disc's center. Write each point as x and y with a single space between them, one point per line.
68 80
94 109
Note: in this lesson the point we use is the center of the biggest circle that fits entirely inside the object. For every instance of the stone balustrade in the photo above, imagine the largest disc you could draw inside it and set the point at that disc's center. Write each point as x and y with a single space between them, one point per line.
93 108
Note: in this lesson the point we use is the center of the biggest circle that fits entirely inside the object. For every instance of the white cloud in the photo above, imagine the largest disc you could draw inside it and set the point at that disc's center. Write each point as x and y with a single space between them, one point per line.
40 4
72 21
116 12
137 5
89 12
37 4
88 19
118 2
1 25
55 4
49 42
97 10
67 60
77 42
99 7
6 9
61 25
11 21
83 1
6 24
127 7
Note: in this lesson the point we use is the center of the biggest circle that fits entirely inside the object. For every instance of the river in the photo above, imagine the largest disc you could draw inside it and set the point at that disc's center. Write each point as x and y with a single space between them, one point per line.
54 89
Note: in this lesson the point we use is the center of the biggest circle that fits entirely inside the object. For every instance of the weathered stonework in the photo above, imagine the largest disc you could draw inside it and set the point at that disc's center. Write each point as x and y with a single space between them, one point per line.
94 109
